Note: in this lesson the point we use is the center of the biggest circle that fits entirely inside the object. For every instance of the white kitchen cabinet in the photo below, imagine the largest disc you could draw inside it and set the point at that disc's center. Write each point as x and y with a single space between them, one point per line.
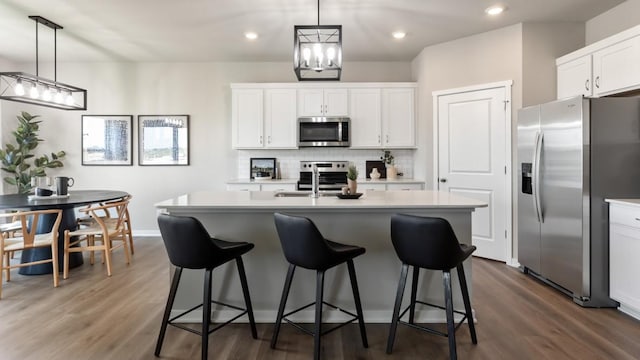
624 245
398 118
280 119
405 186
365 186
243 187
247 119
616 68
278 187
323 102
574 78
366 118
263 118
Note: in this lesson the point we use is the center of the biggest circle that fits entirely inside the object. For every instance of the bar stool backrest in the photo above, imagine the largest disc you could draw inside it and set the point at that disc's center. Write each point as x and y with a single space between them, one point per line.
188 243
302 243
426 242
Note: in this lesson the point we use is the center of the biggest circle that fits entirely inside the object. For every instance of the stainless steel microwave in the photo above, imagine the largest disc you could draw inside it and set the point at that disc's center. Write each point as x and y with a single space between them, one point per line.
324 131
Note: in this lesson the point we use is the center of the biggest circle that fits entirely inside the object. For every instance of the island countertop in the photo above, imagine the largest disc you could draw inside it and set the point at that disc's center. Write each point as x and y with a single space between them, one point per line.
238 200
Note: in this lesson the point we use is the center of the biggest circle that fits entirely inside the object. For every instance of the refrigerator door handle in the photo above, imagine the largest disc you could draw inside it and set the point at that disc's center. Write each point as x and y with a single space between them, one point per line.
536 176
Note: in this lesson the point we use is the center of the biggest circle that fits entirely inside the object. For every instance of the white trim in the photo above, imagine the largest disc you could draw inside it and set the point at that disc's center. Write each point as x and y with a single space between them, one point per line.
324 85
513 263
507 84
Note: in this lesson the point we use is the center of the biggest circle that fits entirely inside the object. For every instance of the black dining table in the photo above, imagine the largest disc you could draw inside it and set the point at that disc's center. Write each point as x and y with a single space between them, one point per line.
67 204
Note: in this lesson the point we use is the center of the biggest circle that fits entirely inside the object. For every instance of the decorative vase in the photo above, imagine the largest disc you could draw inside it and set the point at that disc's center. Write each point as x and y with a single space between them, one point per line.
353 186
375 174
392 172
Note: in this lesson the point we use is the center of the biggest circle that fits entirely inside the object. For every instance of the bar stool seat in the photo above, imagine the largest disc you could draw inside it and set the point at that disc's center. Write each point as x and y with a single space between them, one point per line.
304 246
189 246
430 243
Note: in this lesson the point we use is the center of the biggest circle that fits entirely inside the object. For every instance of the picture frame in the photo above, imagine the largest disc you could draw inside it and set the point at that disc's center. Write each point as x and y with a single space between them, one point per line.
107 140
260 166
163 140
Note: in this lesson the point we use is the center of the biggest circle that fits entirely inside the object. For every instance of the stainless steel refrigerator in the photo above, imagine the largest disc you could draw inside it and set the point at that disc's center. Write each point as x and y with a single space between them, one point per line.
572 154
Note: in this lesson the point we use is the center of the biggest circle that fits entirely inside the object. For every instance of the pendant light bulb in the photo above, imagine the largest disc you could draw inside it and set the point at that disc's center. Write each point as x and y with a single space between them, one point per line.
331 54
69 100
46 95
19 89
33 93
59 98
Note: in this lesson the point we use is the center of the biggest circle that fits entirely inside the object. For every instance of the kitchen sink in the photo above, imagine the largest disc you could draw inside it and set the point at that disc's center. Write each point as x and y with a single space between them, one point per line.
303 193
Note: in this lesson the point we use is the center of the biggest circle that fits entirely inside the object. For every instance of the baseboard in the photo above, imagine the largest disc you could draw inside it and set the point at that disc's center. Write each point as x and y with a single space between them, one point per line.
513 262
308 316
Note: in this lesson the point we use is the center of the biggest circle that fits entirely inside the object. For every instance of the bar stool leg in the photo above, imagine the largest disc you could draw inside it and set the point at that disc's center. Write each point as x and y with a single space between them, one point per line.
167 310
467 303
356 298
317 335
414 292
206 313
396 307
451 327
247 298
283 303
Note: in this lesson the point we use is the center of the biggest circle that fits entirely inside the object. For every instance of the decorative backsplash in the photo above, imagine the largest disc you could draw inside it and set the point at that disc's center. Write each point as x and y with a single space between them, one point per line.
288 161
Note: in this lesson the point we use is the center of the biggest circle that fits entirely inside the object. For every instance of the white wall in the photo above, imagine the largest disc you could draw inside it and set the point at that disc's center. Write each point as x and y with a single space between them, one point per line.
621 17
200 90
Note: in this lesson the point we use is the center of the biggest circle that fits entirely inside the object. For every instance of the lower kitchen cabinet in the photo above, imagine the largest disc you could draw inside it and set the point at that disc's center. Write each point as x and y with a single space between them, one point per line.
624 247
256 186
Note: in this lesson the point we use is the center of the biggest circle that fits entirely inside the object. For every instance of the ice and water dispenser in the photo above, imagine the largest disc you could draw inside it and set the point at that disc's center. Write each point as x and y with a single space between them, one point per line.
526 178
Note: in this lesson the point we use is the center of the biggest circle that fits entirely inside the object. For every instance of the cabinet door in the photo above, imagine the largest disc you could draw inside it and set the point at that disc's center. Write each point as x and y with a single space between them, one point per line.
243 187
404 186
280 119
246 119
616 68
310 102
624 245
366 121
336 102
366 186
278 187
574 78
398 118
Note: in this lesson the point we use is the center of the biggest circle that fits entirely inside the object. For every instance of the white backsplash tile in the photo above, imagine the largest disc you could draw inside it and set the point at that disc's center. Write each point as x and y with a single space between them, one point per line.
289 160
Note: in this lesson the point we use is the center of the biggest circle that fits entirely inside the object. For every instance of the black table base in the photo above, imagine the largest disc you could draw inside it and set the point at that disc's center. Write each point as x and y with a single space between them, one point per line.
44 226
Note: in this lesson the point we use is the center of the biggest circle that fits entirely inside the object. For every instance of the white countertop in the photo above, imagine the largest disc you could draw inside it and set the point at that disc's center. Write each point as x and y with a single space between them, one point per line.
399 180
237 200
633 202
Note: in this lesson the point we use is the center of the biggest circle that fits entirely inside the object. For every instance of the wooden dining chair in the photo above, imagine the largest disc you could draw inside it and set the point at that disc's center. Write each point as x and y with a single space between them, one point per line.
101 234
26 238
109 217
10 229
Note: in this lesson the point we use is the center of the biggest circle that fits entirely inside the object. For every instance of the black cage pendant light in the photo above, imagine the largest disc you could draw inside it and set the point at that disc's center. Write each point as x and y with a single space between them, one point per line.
317 51
33 89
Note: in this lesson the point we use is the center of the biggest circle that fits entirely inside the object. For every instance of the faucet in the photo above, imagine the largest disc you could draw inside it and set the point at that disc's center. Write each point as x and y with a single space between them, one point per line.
315 182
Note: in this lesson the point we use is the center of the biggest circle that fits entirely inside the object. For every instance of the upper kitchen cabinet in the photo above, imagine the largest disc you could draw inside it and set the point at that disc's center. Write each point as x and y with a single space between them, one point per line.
247 117
398 118
616 68
323 102
574 78
382 117
263 118
607 67
366 117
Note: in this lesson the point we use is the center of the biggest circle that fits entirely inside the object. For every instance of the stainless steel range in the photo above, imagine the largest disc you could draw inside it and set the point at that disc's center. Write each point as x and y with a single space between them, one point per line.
332 174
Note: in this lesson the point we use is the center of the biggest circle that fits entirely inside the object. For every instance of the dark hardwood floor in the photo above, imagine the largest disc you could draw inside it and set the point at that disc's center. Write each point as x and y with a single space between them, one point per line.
91 316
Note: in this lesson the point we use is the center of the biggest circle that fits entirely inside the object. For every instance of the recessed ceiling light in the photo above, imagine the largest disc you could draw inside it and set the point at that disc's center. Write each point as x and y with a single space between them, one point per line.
495 10
251 35
399 34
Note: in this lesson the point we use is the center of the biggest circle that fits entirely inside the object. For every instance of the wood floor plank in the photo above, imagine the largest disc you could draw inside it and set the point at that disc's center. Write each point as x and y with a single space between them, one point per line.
92 316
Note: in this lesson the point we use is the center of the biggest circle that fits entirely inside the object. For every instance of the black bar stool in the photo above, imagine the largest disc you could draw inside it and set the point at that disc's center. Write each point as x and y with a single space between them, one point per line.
304 246
189 246
430 243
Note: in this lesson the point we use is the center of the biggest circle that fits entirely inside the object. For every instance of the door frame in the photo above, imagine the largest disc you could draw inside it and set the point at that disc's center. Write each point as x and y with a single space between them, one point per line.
507 85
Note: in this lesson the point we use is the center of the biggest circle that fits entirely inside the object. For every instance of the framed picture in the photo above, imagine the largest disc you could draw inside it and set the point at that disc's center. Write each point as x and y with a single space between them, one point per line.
261 168
106 139
163 139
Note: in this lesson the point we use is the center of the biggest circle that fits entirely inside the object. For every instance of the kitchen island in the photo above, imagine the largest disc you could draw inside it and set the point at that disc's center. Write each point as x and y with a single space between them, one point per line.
248 216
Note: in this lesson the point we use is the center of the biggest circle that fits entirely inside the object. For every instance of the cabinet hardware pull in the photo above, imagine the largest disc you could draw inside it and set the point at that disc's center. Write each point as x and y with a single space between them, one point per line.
637 219
586 85
387 139
379 140
598 82
261 139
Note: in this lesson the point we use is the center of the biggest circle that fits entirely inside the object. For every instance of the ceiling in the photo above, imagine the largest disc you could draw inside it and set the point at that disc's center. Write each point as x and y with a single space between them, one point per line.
213 30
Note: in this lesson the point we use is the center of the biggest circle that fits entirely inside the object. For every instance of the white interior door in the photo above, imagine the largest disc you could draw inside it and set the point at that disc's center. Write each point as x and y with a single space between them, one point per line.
472 155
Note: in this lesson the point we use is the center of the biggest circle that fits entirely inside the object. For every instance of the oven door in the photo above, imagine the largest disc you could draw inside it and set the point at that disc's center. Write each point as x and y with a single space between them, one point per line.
323 132
329 180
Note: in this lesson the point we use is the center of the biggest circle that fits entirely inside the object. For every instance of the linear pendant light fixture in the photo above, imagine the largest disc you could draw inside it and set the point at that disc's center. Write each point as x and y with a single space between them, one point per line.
33 89
317 51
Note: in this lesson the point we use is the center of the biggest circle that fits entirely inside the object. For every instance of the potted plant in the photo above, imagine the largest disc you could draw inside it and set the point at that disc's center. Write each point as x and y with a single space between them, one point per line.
16 158
352 177
388 160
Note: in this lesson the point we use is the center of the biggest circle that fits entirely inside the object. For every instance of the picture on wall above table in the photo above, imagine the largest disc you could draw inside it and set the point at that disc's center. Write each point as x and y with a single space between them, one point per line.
107 140
163 139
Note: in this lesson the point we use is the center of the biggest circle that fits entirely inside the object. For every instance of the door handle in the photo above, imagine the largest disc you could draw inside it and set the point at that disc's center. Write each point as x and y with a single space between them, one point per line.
537 201
443 180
